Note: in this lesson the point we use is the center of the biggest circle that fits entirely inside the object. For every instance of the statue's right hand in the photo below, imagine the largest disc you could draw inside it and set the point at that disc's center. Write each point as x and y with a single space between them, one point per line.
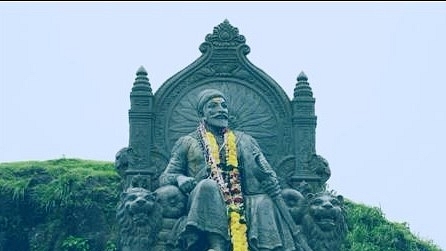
186 184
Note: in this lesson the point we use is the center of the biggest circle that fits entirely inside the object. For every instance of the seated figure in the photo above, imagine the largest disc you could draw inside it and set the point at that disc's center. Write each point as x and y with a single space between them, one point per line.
232 190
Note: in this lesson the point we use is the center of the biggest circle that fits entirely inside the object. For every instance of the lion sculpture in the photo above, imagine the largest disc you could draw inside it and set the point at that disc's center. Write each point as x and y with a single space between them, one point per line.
320 218
324 223
139 218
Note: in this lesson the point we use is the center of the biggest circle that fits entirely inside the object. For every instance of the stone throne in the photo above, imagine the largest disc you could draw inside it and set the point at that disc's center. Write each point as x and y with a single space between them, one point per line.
284 127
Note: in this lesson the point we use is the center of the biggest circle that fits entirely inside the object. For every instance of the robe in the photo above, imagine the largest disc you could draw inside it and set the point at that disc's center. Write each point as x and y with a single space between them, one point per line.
207 211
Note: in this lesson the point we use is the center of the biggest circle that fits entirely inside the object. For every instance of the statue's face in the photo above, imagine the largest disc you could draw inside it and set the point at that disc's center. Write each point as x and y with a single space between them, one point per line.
215 112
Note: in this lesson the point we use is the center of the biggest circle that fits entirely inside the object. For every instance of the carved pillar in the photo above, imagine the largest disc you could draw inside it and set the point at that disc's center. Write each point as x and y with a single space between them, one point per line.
141 119
304 129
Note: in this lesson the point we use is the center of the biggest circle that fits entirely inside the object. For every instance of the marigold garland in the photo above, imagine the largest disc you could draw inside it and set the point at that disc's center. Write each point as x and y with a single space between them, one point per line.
231 190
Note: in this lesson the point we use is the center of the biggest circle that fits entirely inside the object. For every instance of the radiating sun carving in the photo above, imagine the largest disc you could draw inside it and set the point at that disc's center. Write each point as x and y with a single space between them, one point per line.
249 111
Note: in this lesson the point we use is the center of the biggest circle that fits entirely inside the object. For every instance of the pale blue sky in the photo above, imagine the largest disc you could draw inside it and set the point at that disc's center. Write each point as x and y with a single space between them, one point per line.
377 70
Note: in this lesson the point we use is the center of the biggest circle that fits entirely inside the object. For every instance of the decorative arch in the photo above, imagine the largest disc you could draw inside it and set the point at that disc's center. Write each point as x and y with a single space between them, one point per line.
257 104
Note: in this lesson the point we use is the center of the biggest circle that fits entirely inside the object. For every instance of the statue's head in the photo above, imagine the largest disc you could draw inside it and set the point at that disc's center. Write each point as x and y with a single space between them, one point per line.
212 108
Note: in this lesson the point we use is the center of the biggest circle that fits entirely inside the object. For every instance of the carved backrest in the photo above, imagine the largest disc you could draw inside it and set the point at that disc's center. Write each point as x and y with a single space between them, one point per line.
258 106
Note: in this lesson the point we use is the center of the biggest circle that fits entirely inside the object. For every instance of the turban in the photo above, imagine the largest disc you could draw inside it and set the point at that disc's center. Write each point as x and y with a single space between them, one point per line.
205 96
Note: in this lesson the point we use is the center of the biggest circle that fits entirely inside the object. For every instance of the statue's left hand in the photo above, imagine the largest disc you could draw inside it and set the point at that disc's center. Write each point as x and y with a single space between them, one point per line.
186 184
271 187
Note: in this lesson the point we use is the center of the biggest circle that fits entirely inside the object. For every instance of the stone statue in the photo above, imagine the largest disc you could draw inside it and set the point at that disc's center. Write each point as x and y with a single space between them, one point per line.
139 217
319 217
324 222
225 174
199 176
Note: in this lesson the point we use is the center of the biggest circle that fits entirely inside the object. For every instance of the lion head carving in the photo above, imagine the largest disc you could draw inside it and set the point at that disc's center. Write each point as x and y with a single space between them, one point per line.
139 218
324 224
172 200
296 204
320 166
124 159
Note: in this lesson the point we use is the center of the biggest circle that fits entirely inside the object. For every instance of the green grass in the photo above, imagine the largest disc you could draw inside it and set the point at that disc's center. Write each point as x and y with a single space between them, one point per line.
55 182
369 230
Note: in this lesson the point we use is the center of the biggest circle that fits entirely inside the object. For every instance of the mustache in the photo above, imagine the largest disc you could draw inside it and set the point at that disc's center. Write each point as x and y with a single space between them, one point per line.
220 116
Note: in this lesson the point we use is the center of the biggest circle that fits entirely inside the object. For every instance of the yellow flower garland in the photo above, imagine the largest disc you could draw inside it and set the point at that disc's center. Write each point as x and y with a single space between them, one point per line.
232 192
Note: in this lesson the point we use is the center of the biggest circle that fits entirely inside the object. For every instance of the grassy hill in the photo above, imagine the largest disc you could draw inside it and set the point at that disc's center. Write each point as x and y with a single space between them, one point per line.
69 205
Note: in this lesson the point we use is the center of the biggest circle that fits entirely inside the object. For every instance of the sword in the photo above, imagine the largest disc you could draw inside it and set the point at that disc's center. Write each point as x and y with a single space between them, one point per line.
265 173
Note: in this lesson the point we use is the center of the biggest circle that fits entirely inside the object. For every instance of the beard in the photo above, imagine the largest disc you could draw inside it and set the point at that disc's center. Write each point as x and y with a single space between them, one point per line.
217 122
